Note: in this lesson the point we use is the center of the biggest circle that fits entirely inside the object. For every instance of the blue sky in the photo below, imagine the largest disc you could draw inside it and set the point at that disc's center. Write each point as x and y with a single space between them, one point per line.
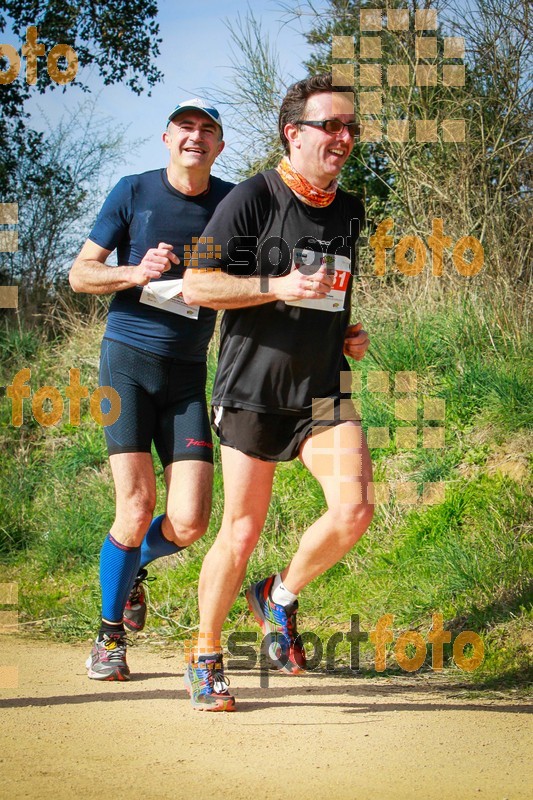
195 53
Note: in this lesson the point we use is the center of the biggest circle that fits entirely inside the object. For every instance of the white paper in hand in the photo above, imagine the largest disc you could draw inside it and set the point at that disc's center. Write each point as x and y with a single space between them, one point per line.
167 296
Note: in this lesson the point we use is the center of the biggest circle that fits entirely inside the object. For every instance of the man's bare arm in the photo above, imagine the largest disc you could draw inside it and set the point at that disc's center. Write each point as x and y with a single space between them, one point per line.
90 274
218 290
356 341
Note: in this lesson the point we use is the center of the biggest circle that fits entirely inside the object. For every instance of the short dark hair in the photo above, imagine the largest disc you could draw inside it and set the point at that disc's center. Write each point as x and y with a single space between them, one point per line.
293 104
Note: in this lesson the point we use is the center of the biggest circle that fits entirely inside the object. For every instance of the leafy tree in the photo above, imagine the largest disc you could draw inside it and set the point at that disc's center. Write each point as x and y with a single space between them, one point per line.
60 190
119 39
255 92
251 99
479 186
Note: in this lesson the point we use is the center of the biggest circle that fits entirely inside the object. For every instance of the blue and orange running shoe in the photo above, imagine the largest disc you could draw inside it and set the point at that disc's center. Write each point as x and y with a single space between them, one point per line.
278 623
206 684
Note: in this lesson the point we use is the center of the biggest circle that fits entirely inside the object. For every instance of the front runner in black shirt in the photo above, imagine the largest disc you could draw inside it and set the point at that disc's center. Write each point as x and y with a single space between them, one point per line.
154 357
283 385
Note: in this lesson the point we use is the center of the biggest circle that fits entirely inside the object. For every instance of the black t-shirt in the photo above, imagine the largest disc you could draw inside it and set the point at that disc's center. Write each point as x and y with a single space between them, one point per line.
276 358
141 211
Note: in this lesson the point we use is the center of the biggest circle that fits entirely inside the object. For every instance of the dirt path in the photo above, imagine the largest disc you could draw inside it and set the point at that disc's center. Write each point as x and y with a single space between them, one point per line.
319 736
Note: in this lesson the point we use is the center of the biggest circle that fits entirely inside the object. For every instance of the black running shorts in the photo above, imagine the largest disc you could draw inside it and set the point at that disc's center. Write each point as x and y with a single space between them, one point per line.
162 401
269 437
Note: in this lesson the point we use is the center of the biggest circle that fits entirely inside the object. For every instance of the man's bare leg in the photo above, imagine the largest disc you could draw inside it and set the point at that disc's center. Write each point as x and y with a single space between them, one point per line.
247 492
189 494
189 486
339 459
134 478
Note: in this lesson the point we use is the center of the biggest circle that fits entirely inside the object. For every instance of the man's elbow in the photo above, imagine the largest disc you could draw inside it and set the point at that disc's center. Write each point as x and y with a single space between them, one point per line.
189 296
73 279
194 293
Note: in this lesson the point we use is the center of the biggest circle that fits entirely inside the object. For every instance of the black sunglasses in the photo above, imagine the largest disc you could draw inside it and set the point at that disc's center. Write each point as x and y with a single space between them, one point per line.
331 125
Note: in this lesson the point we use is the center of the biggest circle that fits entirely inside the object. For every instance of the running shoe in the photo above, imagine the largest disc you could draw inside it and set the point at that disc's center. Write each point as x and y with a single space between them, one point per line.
206 684
279 624
136 609
107 661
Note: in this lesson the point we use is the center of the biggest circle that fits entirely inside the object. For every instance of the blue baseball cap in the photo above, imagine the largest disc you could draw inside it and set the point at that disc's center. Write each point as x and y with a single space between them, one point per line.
197 104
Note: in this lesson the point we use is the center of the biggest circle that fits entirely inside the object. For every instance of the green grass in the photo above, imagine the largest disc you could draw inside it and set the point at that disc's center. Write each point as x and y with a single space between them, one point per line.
468 558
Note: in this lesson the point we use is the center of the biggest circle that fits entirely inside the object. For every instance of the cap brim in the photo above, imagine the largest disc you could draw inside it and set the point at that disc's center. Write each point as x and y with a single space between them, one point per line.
194 108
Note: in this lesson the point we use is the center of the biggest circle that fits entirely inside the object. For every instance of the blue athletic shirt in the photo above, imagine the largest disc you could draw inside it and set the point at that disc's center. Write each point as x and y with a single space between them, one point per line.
141 211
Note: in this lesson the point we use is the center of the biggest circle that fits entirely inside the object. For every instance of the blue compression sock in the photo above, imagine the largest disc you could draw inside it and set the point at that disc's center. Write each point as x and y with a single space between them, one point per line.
119 565
155 545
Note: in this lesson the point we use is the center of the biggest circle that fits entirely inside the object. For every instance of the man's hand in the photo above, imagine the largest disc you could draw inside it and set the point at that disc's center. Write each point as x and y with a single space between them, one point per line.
156 261
356 341
297 286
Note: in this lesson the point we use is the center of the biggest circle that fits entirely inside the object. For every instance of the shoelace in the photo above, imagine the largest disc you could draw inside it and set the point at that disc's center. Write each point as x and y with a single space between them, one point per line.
294 637
137 591
115 647
291 625
287 621
213 676
220 682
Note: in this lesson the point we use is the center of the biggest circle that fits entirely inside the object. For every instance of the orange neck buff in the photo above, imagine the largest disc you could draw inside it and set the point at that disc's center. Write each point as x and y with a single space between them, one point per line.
319 198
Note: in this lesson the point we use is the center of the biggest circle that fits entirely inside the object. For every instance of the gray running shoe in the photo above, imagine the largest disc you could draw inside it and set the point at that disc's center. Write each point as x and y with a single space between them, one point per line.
136 608
107 661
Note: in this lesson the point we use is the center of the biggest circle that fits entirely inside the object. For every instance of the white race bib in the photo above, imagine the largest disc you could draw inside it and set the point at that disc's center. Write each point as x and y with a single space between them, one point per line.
308 261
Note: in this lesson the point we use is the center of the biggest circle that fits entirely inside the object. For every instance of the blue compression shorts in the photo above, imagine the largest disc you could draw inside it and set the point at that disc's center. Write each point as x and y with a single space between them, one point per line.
162 401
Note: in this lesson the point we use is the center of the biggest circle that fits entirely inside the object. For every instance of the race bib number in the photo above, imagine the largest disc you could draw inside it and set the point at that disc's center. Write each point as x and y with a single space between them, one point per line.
308 261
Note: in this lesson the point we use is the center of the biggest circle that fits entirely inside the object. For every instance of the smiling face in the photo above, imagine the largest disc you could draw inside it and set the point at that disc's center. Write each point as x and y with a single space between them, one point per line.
193 140
317 155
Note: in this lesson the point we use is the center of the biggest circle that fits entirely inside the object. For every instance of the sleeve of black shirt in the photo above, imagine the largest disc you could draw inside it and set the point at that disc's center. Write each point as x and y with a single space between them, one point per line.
229 242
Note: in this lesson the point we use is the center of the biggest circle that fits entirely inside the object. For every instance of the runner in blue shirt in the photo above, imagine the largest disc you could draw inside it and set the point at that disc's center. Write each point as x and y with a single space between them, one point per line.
154 356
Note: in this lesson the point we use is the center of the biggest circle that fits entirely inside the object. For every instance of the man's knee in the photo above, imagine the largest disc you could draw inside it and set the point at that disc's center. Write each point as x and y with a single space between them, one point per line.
243 534
136 515
352 519
187 528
